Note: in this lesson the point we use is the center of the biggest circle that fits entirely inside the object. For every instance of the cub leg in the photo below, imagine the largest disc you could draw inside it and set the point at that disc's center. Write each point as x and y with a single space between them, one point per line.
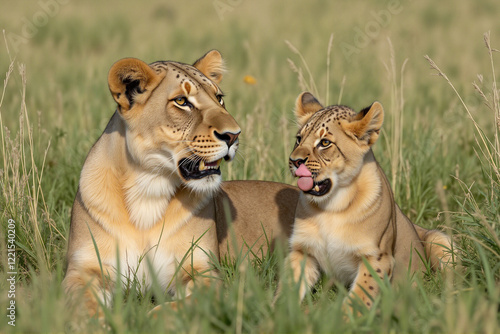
304 268
365 286
437 245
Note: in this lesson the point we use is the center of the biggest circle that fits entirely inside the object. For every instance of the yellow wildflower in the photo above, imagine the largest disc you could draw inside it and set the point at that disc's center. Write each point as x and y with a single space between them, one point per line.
248 79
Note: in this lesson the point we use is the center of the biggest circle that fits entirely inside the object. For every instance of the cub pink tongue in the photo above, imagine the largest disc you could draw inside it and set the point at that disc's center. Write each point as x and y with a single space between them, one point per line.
302 171
305 183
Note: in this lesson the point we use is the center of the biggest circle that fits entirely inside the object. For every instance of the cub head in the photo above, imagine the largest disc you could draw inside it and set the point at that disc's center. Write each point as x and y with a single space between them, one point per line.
176 120
331 144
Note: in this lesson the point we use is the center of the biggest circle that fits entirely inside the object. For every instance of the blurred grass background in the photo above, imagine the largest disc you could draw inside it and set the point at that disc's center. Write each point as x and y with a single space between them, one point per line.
54 109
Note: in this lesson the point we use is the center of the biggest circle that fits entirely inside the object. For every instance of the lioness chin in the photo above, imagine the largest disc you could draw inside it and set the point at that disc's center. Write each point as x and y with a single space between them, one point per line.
150 191
346 219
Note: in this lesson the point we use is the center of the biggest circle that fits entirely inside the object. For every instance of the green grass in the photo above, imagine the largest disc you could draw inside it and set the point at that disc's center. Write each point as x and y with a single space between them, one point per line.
439 146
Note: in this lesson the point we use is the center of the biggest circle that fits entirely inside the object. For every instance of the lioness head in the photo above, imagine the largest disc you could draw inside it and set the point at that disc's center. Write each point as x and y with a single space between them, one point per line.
331 144
176 120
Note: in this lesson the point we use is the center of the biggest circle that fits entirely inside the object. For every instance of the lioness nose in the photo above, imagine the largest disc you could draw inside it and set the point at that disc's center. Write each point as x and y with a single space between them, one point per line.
298 162
227 137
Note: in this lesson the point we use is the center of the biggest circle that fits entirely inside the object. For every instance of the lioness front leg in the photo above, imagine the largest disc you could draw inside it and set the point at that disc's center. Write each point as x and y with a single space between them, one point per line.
94 285
188 278
365 285
305 270
203 276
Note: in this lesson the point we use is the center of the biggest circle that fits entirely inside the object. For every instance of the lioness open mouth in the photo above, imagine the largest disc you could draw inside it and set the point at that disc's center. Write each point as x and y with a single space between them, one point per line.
198 169
320 188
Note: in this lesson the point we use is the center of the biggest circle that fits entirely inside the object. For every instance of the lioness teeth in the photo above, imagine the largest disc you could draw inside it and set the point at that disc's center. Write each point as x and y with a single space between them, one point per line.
316 188
209 165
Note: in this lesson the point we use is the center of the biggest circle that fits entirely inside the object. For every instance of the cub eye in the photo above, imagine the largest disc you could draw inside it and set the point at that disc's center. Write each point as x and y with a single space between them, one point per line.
220 99
325 142
181 101
299 138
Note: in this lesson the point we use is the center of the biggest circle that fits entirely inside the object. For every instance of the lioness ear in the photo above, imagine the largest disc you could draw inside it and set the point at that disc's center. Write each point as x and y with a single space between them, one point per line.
211 65
365 126
131 81
305 106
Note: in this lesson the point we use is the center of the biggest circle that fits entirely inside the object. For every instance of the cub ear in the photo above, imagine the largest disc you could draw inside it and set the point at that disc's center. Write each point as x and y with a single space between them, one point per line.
211 65
305 106
131 81
365 126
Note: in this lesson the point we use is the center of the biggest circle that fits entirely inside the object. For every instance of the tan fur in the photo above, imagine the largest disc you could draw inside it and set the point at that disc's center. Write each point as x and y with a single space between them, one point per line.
356 222
139 208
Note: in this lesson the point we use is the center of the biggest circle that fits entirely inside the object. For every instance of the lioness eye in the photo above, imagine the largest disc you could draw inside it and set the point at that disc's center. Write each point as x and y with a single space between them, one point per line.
299 138
220 99
181 101
325 142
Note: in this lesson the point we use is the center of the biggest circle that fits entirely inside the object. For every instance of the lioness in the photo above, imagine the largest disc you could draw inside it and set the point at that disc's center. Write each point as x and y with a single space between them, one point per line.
346 217
150 190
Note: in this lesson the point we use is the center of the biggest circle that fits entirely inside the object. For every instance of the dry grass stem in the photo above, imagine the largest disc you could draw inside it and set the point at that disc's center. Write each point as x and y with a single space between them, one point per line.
328 57
312 85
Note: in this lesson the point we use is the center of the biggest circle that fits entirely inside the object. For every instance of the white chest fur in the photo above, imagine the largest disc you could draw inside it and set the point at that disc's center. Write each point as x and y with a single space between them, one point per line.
337 260
146 265
134 262
147 197
333 243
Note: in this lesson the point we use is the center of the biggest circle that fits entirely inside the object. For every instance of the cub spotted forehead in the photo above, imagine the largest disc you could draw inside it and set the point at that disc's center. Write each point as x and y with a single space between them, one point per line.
309 110
324 118
363 127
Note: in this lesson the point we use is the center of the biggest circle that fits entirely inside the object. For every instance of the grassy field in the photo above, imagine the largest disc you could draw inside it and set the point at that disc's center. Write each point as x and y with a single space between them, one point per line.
439 146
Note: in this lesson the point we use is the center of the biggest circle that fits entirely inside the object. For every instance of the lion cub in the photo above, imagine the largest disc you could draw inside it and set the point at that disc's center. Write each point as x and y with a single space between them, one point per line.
346 216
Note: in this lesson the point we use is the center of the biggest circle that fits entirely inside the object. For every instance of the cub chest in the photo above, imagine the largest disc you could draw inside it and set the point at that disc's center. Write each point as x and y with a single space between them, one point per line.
336 244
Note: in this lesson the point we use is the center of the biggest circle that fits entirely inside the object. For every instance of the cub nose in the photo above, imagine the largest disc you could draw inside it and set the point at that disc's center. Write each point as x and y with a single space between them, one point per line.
298 162
227 137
